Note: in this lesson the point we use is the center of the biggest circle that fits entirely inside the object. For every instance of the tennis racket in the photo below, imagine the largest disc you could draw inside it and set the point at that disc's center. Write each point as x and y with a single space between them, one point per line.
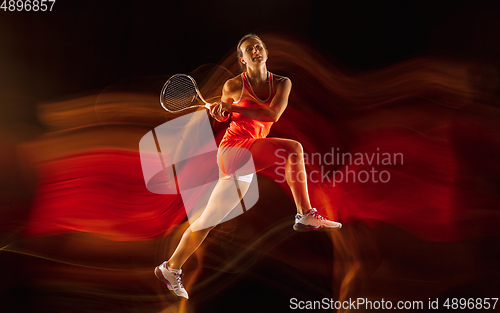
180 93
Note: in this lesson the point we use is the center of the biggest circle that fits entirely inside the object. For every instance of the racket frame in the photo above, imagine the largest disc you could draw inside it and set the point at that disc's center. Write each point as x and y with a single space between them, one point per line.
207 105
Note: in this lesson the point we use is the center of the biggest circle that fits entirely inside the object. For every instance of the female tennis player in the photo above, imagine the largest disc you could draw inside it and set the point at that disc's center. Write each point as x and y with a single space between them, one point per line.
256 99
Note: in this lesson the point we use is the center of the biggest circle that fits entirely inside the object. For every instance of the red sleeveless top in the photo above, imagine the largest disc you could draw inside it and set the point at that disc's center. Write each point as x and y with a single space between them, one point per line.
244 130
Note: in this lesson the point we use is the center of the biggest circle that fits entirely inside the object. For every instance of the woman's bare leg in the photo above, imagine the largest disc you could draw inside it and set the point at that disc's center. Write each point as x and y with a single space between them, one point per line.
222 201
268 152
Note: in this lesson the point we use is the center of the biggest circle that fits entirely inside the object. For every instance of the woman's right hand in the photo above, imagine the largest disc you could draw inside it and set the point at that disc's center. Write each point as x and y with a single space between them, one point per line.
217 112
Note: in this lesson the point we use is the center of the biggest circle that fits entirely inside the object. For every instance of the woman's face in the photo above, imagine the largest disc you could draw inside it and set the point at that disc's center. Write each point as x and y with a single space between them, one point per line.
253 52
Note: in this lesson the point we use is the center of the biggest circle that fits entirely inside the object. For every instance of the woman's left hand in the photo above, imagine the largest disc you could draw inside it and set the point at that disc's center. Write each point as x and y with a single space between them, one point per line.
217 112
227 106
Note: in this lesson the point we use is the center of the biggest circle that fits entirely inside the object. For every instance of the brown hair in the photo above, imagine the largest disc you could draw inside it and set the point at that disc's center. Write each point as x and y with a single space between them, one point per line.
242 40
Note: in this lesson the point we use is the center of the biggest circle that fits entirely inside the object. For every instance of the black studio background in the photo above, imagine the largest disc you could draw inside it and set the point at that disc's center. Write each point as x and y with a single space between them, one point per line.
83 45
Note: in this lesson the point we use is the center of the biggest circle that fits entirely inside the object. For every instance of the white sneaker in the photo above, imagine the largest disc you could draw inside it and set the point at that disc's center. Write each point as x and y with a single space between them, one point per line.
314 221
172 278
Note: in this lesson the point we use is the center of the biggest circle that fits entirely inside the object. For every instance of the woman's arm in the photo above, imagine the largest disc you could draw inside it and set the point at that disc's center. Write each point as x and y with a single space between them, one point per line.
264 114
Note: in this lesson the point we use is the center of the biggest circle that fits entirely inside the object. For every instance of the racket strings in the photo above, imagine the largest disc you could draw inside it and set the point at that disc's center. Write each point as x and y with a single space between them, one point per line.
180 93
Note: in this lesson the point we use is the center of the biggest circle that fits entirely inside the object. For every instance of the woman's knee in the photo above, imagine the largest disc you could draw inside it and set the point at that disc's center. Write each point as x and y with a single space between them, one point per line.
295 150
297 147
